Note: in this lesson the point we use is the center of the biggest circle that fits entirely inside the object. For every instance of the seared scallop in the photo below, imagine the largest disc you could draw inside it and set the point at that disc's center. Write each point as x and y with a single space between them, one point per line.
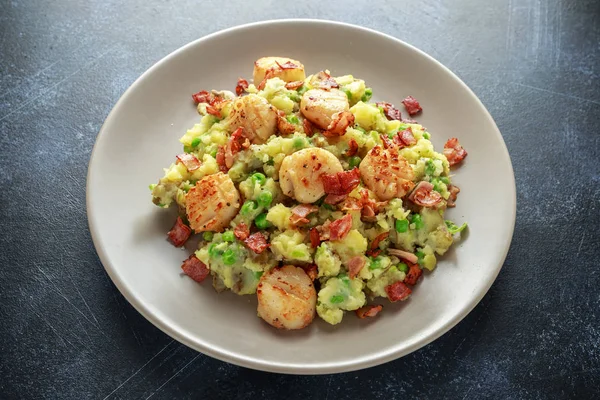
386 173
319 106
212 203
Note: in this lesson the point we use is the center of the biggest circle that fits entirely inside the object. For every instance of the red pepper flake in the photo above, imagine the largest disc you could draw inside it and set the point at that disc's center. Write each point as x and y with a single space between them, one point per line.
412 105
195 269
179 233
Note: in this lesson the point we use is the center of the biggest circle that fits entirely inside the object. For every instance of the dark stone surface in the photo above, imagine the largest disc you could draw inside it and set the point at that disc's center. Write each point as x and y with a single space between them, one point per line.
66 332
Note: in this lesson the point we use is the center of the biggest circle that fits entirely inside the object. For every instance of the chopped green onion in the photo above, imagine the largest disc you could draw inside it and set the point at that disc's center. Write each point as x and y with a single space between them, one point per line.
248 207
299 143
208 236
302 89
426 135
260 178
367 96
453 228
265 198
336 299
229 257
261 221
430 167
348 94
213 252
196 142
403 267
418 221
292 119
294 97
228 236
401 225
354 161
298 254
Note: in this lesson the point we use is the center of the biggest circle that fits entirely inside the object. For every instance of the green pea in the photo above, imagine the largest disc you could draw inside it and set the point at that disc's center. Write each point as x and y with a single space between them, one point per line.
152 186
228 236
299 143
354 161
430 167
292 119
302 89
260 178
248 207
213 154
188 149
348 94
403 267
360 128
418 221
261 221
336 299
426 135
229 257
401 225
445 180
375 263
213 252
207 236
265 198
196 142
420 255
367 96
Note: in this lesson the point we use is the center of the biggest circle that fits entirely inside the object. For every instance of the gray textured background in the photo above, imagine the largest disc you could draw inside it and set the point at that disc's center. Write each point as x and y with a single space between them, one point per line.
65 330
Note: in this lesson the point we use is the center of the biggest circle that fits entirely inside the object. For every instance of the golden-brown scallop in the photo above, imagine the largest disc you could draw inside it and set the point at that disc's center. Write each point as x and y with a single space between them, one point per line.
386 173
212 203
318 105
286 298
286 69
300 173
256 116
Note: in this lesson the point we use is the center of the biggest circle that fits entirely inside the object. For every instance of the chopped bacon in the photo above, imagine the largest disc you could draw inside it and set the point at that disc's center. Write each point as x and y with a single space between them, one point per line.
283 125
351 203
405 138
387 143
287 65
397 291
195 269
368 213
355 265
311 270
236 142
454 152
340 121
424 195
369 206
413 275
300 212
324 81
341 182
324 230
412 105
374 248
308 128
454 191
369 311
315 238
241 86
257 242
221 159
241 231
352 148
268 75
212 110
179 233
189 160
390 111
340 227
201 97
405 255
294 85
334 199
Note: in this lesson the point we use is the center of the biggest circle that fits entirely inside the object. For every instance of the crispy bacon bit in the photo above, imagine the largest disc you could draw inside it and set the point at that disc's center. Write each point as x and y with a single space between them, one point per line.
241 231
324 81
300 212
397 291
333 199
257 242
315 238
405 255
268 75
189 160
179 233
355 265
311 270
405 138
287 65
352 148
374 248
454 152
412 105
413 275
390 111
236 142
339 123
369 206
369 311
341 183
241 86
294 85
424 195
454 191
308 128
212 110
283 125
195 269
387 143
201 97
351 204
324 230
221 159
340 227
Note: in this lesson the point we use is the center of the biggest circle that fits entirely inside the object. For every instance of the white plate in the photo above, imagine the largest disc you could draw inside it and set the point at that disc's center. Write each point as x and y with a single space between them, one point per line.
140 137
